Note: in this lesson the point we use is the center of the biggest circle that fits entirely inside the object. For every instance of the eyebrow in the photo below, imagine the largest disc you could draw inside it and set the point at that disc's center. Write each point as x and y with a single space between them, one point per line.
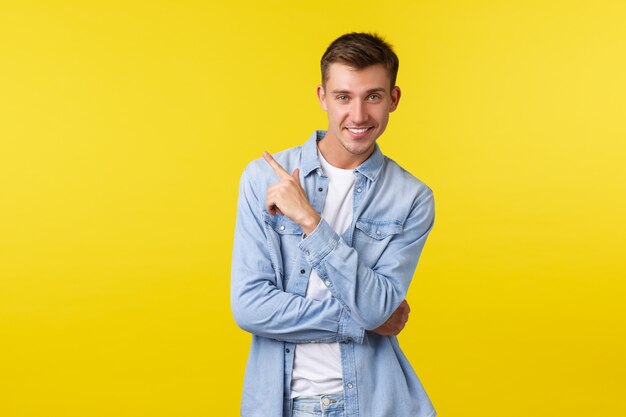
370 91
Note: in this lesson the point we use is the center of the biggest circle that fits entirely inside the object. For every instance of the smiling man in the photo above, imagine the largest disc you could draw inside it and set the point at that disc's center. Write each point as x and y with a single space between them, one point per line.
327 240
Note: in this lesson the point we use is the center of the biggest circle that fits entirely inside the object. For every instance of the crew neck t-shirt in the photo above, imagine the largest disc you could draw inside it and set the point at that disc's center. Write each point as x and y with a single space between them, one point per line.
317 366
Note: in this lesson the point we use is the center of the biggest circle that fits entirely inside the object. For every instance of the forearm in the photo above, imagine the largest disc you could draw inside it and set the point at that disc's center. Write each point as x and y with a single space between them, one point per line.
266 311
259 304
370 287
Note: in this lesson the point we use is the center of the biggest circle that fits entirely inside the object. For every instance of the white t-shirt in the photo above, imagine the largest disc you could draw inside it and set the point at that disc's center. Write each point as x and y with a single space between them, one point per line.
317 366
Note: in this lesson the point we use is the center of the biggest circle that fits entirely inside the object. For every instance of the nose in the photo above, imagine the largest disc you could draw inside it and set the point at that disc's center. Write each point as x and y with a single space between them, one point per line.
359 112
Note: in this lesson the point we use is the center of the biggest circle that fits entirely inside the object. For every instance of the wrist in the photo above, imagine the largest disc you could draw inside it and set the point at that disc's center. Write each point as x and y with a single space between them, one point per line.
310 222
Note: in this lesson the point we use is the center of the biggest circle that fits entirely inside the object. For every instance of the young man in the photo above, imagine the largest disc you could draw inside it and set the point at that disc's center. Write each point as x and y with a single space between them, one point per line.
327 239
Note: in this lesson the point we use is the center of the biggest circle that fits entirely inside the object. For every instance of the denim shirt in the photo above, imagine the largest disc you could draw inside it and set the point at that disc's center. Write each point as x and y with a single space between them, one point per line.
368 270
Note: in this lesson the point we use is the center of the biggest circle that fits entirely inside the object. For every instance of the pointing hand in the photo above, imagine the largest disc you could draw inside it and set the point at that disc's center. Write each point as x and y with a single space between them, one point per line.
289 199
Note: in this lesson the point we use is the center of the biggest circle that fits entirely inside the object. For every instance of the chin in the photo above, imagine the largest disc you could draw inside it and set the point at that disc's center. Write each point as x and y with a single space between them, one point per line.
360 150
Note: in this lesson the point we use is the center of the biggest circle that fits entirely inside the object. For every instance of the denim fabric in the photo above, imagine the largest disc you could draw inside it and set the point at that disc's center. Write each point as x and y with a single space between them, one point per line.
368 269
322 406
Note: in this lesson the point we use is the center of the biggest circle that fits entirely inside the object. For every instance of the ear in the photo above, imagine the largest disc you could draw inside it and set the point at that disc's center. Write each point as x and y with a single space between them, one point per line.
395 98
321 96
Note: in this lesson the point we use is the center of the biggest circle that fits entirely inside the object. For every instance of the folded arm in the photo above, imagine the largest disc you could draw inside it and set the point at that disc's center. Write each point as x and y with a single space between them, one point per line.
258 304
371 295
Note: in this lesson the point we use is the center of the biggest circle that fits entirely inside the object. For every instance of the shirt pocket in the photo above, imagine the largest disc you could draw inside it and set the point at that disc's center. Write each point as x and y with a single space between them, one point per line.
371 238
281 224
283 237
377 229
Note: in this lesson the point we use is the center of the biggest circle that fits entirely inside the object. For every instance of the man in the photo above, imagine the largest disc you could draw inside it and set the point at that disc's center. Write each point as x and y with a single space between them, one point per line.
327 239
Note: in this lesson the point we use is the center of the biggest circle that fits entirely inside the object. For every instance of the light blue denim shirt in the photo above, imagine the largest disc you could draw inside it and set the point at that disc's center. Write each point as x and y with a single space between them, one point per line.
368 270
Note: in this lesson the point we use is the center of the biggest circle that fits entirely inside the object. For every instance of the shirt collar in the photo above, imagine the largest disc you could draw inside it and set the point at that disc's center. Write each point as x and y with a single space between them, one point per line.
310 162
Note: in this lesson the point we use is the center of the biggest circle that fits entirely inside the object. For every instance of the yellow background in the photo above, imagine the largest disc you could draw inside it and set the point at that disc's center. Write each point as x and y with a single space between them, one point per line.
124 127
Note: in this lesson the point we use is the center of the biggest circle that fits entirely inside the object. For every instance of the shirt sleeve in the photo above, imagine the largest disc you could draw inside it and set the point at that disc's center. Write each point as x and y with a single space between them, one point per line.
259 306
371 294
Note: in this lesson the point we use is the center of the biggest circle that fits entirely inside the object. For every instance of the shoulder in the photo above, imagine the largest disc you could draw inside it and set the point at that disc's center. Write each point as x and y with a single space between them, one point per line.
404 183
260 173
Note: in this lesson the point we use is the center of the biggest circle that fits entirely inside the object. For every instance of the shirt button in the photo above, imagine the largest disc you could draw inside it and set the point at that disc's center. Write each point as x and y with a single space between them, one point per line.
378 232
302 271
287 350
350 386
320 189
325 401
282 227
306 252
327 282
358 190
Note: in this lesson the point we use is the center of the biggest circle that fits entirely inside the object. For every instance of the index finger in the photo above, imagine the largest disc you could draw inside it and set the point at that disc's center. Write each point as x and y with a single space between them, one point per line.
279 170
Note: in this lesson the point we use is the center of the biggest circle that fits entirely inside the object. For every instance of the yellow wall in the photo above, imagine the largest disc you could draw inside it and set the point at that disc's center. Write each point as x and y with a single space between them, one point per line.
124 129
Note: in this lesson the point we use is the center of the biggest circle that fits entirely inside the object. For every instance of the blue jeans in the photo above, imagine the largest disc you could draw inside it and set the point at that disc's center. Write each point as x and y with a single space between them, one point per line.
330 405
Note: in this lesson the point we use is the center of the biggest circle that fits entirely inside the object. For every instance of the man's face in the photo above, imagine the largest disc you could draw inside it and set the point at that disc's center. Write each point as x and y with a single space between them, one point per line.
358 103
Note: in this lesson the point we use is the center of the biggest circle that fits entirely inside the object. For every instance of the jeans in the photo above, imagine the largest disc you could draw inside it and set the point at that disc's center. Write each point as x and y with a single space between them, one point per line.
330 405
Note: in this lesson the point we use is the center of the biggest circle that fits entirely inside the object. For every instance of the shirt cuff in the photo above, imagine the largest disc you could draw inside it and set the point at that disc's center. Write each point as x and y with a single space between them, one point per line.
349 331
319 243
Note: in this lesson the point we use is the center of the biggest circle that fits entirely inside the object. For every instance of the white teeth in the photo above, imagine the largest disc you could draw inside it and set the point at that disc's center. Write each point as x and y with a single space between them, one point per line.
358 130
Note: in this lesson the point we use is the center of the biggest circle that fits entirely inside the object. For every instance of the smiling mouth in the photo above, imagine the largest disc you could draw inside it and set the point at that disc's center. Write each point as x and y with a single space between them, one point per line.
359 130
